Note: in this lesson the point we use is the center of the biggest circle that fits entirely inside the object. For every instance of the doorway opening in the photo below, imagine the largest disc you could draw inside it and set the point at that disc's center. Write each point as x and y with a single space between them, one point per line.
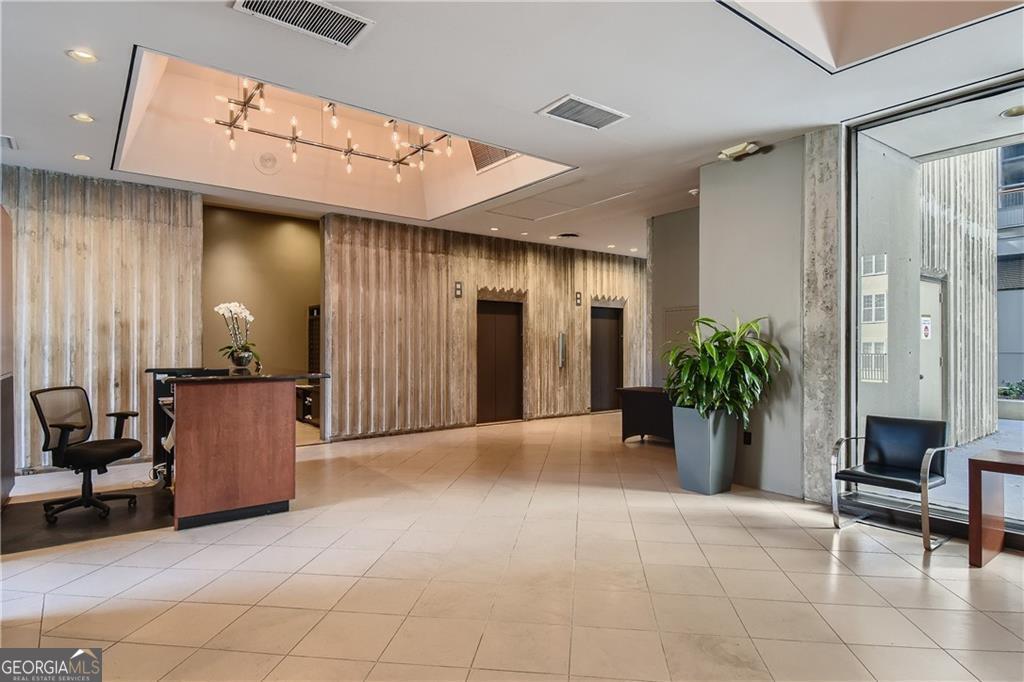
605 358
499 361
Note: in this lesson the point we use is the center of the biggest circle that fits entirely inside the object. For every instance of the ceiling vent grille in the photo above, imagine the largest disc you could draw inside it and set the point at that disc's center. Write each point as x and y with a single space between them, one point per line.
486 157
312 17
582 112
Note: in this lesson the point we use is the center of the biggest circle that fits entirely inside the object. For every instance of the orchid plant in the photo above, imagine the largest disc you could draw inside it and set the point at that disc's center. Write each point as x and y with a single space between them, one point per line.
238 320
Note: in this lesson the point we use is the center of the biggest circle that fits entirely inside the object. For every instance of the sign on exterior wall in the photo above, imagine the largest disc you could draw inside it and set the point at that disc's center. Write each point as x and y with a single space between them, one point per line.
926 327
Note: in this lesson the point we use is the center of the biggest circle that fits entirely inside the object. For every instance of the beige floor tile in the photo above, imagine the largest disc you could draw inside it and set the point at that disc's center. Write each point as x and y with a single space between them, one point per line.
1013 621
608 530
48 642
511 676
672 553
991 666
988 595
310 536
783 620
663 532
382 595
964 630
526 647
599 549
807 561
618 654
707 657
435 641
723 535
403 672
527 604
738 582
112 620
103 552
881 625
306 669
21 608
455 600
107 581
138 662
878 565
20 636
429 541
683 580
238 587
603 575
58 608
898 664
786 538
406 565
172 584
353 562
617 608
832 588
360 636
279 559
725 556
309 591
221 557
228 666
159 555
848 540
188 625
473 568
811 661
697 615
266 629
46 577
916 593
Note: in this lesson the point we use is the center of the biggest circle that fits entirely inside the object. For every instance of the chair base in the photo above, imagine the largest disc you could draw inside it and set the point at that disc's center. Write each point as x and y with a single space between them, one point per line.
931 542
86 499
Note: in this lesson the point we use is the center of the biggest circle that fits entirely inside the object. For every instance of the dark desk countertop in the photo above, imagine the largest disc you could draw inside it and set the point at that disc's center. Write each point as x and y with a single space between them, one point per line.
195 375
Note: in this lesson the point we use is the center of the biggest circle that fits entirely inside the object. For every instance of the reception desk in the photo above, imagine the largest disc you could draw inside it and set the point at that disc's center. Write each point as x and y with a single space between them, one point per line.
234 443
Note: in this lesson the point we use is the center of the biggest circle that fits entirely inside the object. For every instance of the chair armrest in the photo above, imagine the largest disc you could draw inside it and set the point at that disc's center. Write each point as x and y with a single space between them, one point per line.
62 443
121 416
926 463
68 426
837 448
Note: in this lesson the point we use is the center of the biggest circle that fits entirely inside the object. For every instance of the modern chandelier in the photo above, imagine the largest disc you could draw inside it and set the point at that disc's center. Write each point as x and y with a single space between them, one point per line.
407 153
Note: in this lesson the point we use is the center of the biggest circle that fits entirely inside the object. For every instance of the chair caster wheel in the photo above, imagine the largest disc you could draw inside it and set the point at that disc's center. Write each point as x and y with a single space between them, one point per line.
132 503
51 519
104 513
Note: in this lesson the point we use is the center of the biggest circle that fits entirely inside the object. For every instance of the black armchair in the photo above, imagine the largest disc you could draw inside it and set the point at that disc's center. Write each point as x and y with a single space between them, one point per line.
899 454
66 418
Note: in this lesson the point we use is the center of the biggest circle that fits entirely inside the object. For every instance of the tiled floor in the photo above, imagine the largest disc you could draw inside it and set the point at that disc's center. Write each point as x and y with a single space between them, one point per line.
525 552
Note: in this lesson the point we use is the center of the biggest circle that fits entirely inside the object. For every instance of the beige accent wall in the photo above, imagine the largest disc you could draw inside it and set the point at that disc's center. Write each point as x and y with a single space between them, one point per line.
106 284
271 264
401 348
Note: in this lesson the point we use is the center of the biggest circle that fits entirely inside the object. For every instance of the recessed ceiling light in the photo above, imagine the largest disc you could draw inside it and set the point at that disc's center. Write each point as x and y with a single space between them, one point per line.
611 246
1013 112
553 237
694 192
81 157
494 229
523 234
82 56
634 250
82 117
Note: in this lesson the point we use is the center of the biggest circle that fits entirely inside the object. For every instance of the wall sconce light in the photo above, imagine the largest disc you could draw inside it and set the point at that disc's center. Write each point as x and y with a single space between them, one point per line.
458 290
579 299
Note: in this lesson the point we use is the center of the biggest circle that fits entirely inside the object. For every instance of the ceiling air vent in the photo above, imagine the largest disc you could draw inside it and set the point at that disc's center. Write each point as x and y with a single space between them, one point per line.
582 112
313 17
486 157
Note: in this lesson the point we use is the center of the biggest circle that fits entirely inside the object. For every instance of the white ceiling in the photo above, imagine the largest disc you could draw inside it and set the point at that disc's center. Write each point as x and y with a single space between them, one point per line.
693 77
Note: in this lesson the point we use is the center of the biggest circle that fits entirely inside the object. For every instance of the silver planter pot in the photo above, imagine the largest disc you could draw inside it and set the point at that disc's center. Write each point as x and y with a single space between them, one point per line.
705 450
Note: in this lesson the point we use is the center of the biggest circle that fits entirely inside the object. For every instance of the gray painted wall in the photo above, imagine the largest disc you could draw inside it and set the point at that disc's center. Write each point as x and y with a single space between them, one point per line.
751 251
1011 335
674 250
889 221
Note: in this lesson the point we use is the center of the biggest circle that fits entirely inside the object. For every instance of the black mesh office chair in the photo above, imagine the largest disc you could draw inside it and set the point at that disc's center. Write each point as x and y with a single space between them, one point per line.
66 418
899 454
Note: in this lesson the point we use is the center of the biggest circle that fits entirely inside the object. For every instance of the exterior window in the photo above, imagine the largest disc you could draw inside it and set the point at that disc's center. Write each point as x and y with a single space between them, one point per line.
874 365
872 308
873 265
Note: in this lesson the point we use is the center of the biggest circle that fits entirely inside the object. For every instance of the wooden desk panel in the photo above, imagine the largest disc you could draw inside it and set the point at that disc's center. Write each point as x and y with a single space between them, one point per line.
234 445
986 510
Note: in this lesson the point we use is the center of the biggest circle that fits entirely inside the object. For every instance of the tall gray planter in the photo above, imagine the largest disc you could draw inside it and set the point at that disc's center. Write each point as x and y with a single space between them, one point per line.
705 450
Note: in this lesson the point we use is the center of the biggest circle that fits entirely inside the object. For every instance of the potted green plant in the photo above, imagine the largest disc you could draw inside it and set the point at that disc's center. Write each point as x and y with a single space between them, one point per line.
714 381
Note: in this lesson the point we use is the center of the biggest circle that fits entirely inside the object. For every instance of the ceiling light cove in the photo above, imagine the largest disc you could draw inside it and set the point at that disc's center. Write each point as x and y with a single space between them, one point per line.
196 124
82 157
82 55
1013 112
82 117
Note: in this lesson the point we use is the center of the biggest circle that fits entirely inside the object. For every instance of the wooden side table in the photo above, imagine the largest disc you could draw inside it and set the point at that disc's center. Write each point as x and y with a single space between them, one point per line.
985 501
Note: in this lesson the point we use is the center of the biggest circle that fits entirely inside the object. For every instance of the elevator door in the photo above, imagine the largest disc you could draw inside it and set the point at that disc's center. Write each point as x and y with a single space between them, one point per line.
605 358
930 388
499 361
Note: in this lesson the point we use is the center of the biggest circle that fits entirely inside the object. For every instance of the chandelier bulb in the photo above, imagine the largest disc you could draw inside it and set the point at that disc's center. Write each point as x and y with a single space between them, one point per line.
348 166
295 156
231 140
209 119
448 147
245 82
294 121
334 121
398 174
